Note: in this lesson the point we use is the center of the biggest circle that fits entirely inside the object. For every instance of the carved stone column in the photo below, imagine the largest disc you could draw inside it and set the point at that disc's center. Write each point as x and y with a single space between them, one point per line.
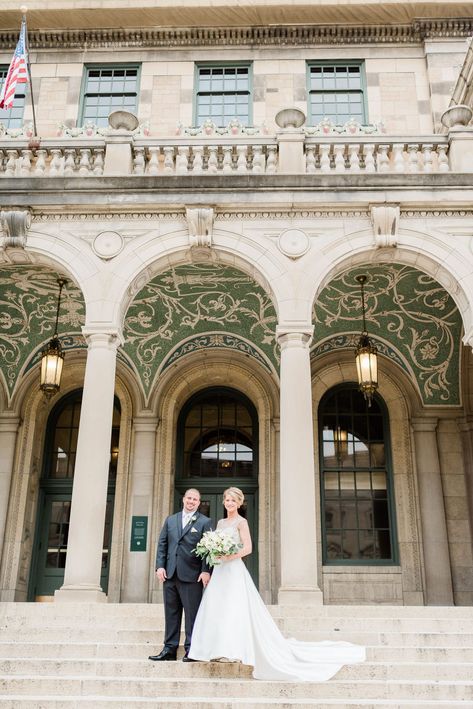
298 530
137 565
438 576
89 492
8 432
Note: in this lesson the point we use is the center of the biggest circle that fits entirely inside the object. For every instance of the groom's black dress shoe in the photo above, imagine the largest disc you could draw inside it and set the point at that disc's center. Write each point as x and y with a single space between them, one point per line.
186 658
163 655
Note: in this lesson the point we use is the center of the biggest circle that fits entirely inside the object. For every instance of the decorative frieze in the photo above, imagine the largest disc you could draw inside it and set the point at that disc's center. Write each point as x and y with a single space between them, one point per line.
289 35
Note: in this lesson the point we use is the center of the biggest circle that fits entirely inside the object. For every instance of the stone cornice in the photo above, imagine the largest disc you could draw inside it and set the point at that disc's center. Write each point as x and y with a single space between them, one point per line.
296 35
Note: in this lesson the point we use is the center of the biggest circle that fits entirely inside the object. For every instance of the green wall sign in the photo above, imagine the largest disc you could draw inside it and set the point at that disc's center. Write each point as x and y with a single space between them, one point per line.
139 533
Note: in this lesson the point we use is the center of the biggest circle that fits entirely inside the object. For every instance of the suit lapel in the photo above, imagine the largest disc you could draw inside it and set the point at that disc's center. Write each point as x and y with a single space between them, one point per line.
188 526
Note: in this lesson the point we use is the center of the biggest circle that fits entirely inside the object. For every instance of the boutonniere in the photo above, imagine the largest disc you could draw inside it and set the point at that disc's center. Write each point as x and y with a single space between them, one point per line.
193 518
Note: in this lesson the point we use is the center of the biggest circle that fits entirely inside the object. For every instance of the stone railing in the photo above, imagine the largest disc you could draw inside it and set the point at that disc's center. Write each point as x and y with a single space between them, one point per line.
377 154
195 156
53 158
226 155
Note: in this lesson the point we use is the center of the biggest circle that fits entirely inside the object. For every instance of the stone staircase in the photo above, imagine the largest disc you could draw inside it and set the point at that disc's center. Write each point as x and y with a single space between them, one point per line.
86 656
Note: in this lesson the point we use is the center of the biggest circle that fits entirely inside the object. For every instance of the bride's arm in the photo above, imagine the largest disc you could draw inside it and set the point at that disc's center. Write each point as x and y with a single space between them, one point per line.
245 537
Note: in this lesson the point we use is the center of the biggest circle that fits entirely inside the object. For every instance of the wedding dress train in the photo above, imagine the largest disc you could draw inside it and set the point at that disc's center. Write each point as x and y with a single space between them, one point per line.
234 623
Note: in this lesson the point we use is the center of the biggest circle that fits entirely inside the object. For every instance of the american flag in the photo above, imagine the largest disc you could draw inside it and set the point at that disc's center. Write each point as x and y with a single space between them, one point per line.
17 71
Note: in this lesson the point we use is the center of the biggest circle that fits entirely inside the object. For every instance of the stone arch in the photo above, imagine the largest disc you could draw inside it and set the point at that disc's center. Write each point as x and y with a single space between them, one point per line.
397 584
239 372
411 318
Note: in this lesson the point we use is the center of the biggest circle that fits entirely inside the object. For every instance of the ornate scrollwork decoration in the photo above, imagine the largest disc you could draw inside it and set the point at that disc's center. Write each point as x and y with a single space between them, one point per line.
200 224
385 220
15 224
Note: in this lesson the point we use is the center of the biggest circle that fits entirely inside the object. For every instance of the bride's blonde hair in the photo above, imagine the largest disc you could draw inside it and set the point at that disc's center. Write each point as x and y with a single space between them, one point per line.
236 493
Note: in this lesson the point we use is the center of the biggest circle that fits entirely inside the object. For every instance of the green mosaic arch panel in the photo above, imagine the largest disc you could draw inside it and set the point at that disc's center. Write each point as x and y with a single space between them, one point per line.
28 301
409 316
192 300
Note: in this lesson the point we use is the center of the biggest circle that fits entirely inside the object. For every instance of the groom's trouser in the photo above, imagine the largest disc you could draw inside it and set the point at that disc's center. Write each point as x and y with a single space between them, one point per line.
178 596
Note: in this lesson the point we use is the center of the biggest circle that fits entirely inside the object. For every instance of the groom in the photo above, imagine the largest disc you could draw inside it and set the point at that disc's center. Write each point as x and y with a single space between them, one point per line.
182 573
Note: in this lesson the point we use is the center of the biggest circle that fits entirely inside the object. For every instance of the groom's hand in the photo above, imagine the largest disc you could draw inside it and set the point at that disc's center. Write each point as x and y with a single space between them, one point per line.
204 577
161 574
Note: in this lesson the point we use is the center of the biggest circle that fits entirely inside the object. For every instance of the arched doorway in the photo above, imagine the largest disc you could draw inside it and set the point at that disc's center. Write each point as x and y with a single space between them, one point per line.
217 447
54 504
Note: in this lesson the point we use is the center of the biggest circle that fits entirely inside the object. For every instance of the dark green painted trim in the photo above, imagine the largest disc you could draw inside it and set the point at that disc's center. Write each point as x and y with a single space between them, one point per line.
199 65
338 62
107 65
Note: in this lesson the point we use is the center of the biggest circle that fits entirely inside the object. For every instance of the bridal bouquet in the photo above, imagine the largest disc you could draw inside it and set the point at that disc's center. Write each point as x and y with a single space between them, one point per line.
215 544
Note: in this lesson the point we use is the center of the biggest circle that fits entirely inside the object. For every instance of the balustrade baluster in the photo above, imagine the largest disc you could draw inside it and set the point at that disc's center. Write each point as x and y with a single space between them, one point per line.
324 151
182 161
310 166
97 168
139 161
443 164
56 164
354 158
383 159
10 167
153 161
398 152
168 151
25 163
84 161
368 154
212 164
227 164
413 160
69 162
198 164
272 159
242 152
258 160
339 151
428 157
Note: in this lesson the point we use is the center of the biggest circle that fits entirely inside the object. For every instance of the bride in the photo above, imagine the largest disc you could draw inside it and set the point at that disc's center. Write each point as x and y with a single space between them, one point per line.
234 624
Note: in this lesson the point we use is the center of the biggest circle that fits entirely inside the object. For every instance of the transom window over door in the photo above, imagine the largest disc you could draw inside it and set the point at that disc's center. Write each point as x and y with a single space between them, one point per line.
219 437
336 91
107 89
357 499
222 94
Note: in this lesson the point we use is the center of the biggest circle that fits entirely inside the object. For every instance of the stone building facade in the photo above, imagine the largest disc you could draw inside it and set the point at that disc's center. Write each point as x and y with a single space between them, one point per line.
211 310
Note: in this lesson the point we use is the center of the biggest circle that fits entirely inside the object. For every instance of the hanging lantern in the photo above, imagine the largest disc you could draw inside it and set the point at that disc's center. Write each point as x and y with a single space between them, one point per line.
366 355
52 356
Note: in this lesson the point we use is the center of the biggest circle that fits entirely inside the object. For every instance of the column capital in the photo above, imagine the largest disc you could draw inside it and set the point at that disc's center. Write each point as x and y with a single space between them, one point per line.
9 423
289 336
424 425
145 424
96 338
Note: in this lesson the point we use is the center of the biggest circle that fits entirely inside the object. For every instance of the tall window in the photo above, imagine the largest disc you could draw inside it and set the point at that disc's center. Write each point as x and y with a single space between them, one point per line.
222 94
13 117
336 91
219 429
107 89
357 499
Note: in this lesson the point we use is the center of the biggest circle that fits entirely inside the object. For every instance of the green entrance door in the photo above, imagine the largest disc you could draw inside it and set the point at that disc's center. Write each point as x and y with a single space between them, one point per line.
217 448
54 506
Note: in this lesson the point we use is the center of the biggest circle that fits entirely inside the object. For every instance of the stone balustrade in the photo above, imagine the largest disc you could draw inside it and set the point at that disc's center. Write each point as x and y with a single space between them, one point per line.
377 154
243 155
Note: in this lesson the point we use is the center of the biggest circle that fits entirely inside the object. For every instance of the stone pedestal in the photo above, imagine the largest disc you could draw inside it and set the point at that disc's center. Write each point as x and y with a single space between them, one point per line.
291 152
118 154
8 432
460 152
297 476
138 564
438 577
89 492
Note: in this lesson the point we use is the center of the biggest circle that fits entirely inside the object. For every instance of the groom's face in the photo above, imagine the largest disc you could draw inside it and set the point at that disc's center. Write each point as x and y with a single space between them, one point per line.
191 500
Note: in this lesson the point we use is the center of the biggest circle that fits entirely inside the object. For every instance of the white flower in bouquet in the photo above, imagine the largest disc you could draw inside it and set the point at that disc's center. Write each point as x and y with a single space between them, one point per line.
215 544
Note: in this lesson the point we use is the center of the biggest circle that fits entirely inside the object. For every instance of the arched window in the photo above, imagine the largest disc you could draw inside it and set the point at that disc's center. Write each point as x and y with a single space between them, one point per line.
358 522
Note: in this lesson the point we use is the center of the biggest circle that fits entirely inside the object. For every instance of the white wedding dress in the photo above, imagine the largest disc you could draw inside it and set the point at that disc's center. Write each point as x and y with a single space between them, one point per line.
234 623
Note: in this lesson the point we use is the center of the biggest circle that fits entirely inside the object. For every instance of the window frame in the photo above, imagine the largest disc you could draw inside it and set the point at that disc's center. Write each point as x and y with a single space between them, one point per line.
337 62
388 467
5 120
107 65
223 65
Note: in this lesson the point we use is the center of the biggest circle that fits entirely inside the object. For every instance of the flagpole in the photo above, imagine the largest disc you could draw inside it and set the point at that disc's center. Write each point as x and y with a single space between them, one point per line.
24 10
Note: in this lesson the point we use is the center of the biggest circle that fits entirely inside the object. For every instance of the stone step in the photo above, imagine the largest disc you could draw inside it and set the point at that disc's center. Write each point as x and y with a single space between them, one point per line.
140 651
153 638
243 689
143 668
193 702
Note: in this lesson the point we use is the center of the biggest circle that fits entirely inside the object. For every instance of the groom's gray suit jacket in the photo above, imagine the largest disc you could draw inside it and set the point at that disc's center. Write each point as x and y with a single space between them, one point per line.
176 545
